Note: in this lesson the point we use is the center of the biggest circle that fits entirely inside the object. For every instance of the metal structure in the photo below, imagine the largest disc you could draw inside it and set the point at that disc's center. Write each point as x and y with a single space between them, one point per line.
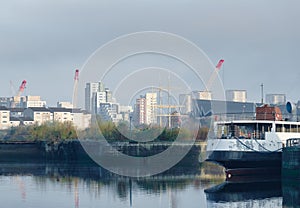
16 98
75 87
214 75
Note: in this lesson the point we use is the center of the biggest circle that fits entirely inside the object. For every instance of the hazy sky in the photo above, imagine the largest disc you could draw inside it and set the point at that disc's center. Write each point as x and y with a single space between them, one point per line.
44 41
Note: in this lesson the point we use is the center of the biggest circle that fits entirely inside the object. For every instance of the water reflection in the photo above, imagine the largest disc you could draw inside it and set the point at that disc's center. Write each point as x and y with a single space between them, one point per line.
254 194
88 185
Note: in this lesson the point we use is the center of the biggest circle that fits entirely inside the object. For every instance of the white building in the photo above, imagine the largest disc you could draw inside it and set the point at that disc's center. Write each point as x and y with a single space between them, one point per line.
4 118
97 99
32 101
81 119
276 99
236 95
140 111
146 109
202 95
151 108
63 104
17 121
61 114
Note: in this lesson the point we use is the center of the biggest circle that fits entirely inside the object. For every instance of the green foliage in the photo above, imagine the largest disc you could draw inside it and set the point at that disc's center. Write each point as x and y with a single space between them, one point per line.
121 132
52 131
56 131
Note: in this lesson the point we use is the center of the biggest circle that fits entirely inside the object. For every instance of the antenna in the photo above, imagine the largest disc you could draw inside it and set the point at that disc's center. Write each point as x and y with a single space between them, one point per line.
75 88
262 93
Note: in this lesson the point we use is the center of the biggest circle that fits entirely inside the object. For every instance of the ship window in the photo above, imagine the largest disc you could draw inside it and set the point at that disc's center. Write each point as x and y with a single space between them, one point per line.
278 128
287 128
243 130
294 128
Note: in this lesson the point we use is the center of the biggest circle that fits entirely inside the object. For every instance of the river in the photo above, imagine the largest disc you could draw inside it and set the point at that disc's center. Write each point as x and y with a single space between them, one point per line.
35 185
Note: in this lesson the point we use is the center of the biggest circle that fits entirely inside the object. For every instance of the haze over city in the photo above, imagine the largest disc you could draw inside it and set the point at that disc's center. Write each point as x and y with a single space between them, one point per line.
44 42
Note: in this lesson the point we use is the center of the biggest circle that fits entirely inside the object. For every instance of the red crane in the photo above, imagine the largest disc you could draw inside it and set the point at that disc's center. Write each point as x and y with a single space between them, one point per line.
16 98
214 75
21 88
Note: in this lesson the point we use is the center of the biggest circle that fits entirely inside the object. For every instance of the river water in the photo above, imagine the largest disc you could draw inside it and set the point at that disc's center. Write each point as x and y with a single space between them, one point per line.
69 185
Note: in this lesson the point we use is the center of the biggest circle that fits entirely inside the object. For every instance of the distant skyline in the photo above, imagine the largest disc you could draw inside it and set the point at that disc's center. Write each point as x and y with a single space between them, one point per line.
44 42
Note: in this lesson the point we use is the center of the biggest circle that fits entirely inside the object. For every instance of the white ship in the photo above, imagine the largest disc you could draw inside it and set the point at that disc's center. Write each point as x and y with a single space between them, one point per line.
251 147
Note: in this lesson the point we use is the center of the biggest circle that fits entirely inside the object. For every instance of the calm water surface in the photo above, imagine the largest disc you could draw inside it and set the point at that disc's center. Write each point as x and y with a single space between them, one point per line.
49 185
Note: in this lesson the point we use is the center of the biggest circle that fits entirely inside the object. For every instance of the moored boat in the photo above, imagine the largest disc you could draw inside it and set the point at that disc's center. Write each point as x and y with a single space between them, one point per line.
251 147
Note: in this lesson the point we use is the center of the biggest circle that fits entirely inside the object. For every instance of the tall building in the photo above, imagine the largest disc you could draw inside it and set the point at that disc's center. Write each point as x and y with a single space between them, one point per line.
145 109
276 99
91 97
185 100
151 102
140 111
97 99
236 95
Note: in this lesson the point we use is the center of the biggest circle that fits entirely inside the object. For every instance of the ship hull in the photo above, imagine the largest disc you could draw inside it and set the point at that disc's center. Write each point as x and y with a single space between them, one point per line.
247 164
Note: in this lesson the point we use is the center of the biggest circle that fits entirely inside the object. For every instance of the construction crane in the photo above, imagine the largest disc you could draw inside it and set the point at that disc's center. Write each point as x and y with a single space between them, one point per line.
16 98
168 106
21 88
214 75
75 88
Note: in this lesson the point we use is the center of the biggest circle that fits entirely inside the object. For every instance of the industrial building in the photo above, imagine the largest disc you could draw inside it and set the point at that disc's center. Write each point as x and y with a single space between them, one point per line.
236 95
221 110
276 99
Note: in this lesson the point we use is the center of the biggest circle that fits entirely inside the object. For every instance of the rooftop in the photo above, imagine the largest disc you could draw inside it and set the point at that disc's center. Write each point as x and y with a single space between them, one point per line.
39 109
55 109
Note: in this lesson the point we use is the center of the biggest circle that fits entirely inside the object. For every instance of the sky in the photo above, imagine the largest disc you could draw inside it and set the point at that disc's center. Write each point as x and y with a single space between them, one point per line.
44 42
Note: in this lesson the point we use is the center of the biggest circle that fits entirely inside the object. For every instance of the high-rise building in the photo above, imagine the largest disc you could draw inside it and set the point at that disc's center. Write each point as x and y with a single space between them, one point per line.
185 100
275 99
151 102
236 95
94 95
90 89
140 110
145 109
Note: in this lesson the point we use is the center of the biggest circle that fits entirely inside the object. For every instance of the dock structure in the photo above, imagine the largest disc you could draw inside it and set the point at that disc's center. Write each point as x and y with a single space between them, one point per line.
291 159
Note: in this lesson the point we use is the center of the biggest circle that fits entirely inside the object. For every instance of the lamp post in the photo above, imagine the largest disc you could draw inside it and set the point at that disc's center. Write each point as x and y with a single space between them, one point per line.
130 121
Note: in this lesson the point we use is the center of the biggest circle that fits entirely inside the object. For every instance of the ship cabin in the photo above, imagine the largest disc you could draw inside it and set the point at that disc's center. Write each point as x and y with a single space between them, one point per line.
253 129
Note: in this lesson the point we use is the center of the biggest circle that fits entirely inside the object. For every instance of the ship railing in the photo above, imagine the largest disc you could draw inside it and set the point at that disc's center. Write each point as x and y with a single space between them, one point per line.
293 142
